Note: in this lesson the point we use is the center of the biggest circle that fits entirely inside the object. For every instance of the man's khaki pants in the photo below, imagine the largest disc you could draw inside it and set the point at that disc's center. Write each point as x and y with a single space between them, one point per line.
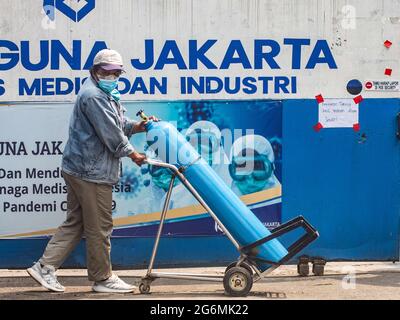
89 213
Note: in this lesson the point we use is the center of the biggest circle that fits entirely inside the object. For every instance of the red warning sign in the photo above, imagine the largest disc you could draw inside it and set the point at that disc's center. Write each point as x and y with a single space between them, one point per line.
368 85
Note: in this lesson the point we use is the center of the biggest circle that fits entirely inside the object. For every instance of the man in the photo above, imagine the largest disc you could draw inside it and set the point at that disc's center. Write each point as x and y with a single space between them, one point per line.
98 138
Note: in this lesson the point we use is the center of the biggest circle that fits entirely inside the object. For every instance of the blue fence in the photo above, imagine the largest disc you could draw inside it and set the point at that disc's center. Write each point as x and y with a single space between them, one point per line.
346 183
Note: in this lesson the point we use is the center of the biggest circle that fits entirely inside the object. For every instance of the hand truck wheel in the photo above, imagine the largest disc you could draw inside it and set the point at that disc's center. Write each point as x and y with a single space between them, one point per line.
144 288
303 268
244 264
238 282
318 267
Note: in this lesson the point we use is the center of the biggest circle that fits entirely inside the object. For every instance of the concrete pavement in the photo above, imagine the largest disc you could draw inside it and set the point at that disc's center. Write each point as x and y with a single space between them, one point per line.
342 280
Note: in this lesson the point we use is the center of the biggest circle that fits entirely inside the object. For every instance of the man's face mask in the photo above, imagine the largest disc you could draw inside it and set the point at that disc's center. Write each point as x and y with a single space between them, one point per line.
108 83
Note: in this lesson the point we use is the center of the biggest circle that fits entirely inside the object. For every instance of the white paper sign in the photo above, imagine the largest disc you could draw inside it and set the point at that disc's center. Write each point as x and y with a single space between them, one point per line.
338 113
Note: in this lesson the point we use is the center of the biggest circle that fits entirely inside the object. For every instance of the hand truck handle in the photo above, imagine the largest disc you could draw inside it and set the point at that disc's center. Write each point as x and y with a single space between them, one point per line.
158 163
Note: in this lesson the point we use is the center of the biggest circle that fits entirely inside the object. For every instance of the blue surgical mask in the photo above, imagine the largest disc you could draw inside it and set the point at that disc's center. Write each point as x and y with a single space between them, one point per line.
110 87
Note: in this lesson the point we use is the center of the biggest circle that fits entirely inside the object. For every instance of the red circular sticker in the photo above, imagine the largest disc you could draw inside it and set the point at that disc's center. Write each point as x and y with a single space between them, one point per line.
368 85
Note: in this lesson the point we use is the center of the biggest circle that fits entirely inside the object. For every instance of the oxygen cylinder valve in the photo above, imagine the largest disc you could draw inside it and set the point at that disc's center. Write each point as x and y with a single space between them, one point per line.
141 114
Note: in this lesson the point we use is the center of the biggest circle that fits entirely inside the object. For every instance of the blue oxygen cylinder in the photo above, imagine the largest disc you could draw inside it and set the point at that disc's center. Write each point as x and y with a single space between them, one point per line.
173 148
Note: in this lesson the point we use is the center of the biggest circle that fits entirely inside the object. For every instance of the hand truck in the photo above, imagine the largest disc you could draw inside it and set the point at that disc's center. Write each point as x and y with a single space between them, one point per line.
241 274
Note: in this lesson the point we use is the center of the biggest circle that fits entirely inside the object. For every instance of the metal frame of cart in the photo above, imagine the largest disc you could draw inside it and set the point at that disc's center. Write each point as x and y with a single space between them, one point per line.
240 275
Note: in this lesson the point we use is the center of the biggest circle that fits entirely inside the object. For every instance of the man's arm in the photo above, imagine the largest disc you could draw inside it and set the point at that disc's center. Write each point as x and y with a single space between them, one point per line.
130 126
100 114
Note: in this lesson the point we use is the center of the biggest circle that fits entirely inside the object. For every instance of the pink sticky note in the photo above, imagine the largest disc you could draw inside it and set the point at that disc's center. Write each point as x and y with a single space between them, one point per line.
358 99
318 126
388 72
387 44
319 98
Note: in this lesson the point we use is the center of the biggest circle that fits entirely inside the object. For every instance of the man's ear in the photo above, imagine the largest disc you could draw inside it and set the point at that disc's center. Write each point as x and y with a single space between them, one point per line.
94 75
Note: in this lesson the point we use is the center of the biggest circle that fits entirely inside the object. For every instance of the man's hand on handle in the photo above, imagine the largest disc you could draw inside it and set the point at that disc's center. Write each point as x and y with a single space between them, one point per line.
137 158
141 126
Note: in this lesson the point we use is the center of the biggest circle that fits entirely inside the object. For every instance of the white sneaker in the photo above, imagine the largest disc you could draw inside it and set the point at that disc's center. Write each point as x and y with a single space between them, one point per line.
45 276
113 285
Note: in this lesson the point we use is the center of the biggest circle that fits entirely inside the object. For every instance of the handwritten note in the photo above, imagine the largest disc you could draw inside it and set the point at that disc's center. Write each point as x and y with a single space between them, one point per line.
338 113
